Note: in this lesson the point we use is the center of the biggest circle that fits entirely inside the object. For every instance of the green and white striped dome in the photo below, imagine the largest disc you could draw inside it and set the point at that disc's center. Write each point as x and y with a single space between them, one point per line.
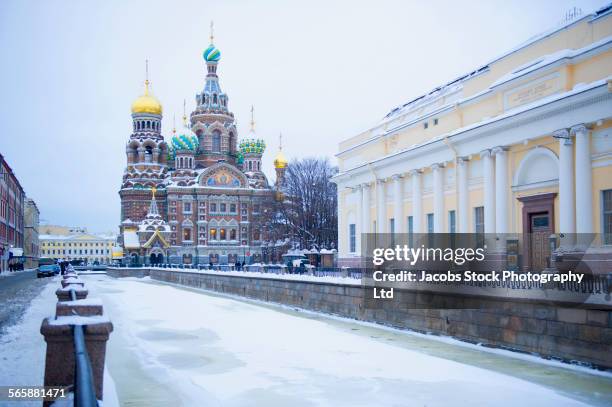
212 54
185 141
252 146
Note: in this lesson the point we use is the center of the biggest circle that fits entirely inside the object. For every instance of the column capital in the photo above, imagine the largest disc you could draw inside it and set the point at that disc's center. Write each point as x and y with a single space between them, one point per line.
380 181
485 153
561 133
579 129
436 166
396 177
462 160
415 172
365 185
499 149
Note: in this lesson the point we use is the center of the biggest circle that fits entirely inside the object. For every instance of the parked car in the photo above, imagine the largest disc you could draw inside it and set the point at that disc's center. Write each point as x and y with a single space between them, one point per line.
48 270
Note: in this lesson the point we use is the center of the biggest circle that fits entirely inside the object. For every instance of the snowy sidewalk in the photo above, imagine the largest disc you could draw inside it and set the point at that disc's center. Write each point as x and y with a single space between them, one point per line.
202 349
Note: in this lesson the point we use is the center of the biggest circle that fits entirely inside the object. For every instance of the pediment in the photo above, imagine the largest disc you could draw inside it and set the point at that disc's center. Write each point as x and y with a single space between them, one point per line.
222 175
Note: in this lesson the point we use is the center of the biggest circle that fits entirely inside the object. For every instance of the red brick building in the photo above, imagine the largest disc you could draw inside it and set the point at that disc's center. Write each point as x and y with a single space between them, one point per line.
210 191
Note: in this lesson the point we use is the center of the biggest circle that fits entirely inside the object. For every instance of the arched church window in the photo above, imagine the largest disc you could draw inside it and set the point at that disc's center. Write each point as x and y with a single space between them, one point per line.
187 234
148 154
250 165
258 165
233 234
216 141
215 99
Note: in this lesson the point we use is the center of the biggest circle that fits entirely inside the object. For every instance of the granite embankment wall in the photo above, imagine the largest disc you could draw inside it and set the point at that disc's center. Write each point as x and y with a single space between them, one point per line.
550 330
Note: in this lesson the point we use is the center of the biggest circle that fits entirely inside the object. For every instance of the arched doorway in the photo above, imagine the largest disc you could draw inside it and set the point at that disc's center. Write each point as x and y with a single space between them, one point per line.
156 258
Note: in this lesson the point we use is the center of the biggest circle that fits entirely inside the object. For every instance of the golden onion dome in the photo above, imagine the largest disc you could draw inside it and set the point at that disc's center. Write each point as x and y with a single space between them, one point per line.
147 103
280 161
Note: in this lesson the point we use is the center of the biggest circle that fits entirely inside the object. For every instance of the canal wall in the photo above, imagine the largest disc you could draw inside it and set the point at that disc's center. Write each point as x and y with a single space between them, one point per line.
543 328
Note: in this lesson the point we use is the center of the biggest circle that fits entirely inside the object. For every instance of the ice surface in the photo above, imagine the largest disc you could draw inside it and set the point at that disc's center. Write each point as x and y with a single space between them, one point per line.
216 351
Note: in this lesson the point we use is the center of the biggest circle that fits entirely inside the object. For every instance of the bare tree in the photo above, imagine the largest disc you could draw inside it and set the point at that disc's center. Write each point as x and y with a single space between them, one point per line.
307 211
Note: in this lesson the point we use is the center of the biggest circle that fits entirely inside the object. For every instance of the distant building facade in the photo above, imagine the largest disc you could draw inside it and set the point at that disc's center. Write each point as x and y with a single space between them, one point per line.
12 201
31 246
83 246
521 145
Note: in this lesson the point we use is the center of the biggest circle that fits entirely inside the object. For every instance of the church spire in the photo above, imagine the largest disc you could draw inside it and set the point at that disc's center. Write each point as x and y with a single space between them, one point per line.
153 212
252 119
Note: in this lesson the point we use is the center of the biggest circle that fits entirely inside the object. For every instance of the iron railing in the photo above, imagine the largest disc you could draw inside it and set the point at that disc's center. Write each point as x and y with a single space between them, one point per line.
84 390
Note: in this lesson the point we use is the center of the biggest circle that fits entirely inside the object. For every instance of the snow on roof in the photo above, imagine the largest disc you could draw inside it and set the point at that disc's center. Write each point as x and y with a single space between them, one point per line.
550 59
434 93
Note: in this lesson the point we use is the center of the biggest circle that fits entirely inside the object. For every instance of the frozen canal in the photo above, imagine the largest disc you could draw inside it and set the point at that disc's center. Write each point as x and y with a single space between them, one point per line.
199 348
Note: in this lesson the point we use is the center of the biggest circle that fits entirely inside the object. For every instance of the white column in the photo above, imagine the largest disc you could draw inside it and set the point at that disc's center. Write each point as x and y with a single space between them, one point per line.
501 189
365 208
438 197
359 220
417 202
567 215
489 190
380 206
462 194
584 180
398 204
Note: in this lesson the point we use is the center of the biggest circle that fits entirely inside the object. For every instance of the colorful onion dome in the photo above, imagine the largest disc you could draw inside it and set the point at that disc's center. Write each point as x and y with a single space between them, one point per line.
280 161
212 54
185 141
239 158
252 146
147 103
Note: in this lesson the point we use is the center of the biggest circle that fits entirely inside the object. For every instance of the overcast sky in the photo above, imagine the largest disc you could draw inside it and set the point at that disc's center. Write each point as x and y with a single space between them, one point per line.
317 71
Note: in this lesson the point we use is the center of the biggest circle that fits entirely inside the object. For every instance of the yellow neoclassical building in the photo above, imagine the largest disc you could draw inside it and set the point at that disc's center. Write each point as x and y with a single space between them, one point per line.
522 144
78 246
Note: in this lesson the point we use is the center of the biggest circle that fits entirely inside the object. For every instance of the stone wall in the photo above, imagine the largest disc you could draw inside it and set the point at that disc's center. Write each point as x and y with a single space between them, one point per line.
569 334
128 272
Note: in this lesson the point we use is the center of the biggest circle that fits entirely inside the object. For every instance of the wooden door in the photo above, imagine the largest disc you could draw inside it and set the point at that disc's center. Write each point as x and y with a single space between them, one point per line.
540 230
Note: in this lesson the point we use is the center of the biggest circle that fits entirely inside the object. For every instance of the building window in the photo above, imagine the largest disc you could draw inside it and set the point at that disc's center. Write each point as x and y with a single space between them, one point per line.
256 235
187 234
212 233
452 222
232 234
213 207
430 223
352 238
223 208
232 208
479 219
392 225
187 207
425 125
435 122
606 206
216 142
222 234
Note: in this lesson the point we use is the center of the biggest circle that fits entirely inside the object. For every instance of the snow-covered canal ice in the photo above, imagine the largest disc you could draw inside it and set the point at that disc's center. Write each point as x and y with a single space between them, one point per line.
180 346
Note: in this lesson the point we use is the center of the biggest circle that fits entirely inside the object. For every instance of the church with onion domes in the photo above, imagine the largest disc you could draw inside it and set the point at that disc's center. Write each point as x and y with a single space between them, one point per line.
198 197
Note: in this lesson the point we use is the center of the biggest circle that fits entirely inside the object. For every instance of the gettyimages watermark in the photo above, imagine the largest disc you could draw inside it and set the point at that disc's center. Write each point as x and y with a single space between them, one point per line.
448 271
